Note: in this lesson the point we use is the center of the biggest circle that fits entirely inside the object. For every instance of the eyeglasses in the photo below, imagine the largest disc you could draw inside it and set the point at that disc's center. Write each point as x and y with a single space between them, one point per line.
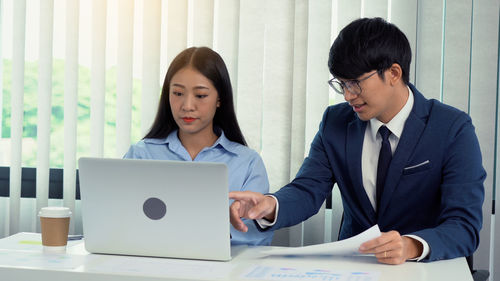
352 85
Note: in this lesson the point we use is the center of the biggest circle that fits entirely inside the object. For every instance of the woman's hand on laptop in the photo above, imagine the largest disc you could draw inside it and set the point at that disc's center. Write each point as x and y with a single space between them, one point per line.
250 205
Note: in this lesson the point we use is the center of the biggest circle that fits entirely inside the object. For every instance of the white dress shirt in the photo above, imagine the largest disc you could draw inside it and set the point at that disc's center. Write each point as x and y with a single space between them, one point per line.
371 148
372 143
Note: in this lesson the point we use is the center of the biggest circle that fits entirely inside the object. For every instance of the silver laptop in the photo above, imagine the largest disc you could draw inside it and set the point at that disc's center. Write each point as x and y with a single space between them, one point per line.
155 208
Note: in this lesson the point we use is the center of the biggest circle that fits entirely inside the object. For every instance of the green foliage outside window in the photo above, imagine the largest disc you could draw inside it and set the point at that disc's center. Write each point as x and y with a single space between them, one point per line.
29 157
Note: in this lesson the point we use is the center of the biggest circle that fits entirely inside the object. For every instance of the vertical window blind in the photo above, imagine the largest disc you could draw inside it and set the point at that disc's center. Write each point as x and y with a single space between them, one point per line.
86 77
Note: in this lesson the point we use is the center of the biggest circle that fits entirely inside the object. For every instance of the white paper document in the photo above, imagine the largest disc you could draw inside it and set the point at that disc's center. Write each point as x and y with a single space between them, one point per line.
348 246
28 241
39 260
296 274
24 249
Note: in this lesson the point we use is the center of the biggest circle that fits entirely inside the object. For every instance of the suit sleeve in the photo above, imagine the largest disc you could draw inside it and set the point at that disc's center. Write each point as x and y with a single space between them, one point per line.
303 197
460 219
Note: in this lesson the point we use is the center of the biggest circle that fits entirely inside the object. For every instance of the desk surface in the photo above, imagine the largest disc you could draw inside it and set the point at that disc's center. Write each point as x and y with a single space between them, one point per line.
22 259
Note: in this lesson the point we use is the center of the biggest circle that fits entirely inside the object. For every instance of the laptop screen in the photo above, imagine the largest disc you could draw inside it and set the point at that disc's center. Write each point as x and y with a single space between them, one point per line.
156 208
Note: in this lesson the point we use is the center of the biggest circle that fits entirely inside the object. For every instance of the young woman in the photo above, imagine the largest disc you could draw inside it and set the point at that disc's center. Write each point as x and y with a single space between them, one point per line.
196 122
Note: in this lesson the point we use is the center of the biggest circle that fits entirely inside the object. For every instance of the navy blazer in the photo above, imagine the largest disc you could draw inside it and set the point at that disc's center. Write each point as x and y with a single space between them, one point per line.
434 186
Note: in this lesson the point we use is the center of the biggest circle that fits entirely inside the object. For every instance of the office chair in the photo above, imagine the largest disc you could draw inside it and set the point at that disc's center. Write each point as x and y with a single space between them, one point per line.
477 275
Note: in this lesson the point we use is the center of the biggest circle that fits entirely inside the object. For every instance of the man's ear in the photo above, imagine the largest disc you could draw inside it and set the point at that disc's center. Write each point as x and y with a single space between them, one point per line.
395 74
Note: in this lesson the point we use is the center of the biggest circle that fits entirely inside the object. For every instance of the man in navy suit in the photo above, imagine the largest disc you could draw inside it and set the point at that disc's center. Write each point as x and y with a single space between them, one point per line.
409 164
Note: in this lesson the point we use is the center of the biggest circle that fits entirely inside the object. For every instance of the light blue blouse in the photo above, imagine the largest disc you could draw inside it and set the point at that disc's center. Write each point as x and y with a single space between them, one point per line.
245 169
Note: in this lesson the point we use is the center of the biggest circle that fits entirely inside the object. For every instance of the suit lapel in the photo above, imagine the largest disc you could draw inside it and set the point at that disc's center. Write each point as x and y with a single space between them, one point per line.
414 126
354 148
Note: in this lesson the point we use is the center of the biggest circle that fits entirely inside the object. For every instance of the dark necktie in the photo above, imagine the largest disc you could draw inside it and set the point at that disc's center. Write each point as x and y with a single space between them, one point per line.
384 159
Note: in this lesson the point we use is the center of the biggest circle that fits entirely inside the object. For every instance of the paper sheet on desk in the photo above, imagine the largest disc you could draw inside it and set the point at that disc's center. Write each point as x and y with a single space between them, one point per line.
39 260
28 241
311 274
24 249
348 246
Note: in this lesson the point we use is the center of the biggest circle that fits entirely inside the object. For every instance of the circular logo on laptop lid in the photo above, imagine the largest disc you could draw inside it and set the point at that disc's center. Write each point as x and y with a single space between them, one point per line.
154 208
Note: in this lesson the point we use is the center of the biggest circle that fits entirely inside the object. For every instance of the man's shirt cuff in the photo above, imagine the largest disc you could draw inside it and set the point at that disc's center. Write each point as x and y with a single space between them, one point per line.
425 250
263 223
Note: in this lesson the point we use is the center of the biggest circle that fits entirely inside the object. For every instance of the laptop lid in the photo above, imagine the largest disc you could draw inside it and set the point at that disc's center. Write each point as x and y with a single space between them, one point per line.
155 208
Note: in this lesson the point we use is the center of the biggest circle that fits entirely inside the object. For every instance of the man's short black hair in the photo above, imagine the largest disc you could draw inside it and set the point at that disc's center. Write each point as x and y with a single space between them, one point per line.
369 44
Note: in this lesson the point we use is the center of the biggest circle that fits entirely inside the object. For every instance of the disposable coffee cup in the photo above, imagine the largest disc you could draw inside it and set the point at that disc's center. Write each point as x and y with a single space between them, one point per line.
54 222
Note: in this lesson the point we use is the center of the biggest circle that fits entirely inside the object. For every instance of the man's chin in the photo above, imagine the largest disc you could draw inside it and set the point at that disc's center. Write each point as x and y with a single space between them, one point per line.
363 117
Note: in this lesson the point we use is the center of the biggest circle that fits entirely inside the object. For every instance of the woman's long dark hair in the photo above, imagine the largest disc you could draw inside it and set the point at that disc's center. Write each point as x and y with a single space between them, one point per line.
211 65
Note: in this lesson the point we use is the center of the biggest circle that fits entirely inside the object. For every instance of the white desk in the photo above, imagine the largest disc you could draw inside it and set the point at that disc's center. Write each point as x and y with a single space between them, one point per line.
25 261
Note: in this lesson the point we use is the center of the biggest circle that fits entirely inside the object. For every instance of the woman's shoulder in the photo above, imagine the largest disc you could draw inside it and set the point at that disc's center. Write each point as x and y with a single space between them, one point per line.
136 150
146 148
240 150
145 143
138 145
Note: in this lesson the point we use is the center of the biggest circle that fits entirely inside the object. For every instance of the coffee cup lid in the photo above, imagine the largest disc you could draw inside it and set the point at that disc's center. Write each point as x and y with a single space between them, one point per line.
54 212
